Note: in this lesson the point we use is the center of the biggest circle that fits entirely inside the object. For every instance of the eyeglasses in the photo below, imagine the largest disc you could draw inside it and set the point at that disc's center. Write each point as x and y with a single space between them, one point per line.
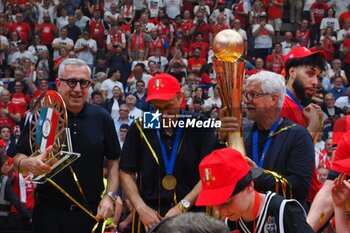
251 96
123 110
71 82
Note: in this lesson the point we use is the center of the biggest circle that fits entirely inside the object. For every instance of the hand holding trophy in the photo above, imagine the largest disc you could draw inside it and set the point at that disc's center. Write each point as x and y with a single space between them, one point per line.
49 139
228 47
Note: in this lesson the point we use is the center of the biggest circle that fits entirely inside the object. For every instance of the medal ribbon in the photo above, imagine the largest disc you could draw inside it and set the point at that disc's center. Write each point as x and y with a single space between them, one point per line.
292 97
169 165
267 143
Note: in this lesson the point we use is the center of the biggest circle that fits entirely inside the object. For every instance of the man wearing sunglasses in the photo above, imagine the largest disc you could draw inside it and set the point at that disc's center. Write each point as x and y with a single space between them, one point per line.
282 148
93 135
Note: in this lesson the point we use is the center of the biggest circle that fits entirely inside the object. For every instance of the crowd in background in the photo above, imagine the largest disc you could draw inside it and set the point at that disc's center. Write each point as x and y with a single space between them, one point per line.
127 42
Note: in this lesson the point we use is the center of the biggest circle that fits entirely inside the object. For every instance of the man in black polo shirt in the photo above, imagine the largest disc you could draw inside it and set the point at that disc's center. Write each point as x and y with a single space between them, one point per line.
93 136
163 190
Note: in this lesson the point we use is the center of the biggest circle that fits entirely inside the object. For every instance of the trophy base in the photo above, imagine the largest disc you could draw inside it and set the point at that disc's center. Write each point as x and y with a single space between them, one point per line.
57 162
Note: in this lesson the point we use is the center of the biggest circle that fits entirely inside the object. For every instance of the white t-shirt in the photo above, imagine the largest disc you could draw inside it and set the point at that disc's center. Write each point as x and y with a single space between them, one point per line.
153 7
4 43
196 9
243 33
108 86
60 41
160 61
341 35
36 51
339 6
149 26
173 8
286 47
135 113
81 23
86 55
51 11
61 22
265 40
18 56
113 16
332 22
227 15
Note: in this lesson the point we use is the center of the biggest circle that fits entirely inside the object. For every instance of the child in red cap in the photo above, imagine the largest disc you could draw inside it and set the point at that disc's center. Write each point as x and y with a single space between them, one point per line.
227 184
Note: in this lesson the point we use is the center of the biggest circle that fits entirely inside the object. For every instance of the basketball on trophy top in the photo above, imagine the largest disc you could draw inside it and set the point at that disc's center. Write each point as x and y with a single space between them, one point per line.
228 45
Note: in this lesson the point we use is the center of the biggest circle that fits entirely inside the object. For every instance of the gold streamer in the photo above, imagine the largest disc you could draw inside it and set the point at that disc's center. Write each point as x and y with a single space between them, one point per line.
147 142
80 206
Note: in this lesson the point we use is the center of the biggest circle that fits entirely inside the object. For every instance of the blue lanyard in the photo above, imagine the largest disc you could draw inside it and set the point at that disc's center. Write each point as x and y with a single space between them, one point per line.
169 165
290 95
267 143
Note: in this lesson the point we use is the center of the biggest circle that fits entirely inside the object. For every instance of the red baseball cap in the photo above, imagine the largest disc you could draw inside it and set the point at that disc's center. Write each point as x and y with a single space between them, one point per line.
163 87
300 52
341 126
220 172
341 161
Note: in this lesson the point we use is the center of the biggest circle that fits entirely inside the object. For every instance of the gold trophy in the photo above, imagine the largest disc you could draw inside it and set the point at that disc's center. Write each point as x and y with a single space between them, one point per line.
228 46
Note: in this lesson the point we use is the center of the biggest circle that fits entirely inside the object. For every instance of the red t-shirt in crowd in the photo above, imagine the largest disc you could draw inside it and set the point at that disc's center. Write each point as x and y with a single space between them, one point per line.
5 120
303 37
346 45
47 32
217 28
205 29
319 10
195 65
21 101
23 30
274 11
24 189
277 62
204 48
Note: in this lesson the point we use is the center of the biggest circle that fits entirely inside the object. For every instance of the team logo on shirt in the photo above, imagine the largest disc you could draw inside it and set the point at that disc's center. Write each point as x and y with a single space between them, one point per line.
270 225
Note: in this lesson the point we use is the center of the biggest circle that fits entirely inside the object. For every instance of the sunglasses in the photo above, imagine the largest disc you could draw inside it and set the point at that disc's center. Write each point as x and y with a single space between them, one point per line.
71 82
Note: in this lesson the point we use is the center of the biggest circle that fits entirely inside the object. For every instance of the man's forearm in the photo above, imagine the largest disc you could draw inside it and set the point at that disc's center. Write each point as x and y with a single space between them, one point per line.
112 176
192 196
322 207
129 187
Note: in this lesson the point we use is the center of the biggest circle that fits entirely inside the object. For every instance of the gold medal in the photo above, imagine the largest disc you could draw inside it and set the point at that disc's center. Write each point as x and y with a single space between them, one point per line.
169 182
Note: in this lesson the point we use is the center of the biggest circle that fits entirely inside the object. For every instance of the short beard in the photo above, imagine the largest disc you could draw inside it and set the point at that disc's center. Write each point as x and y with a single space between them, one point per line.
300 91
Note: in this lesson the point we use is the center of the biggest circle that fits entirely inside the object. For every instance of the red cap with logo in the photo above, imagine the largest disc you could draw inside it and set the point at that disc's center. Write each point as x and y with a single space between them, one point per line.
341 161
300 52
220 171
163 87
341 126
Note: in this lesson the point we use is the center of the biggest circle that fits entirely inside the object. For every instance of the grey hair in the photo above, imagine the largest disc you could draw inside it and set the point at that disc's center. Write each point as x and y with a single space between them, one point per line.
193 223
270 82
72 62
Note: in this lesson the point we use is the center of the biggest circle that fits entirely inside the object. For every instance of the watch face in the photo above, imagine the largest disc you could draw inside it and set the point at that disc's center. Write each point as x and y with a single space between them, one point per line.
113 195
186 203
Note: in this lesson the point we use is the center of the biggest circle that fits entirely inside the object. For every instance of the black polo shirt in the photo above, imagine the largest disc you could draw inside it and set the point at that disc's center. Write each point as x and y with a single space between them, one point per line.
93 136
137 157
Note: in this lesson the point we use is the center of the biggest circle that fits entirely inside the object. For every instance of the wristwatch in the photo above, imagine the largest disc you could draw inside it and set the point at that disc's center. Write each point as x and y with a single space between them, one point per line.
184 205
113 196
